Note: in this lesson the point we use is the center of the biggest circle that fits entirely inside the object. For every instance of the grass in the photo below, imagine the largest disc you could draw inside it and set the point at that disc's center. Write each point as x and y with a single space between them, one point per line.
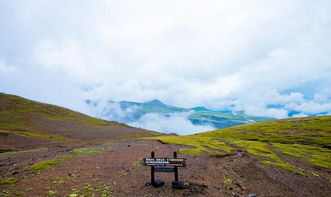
18 108
315 155
196 151
89 189
321 161
286 167
7 181
18 116
45 165
138 162
90 150
38 135
21 152
312 130
262 150
304 138
200 144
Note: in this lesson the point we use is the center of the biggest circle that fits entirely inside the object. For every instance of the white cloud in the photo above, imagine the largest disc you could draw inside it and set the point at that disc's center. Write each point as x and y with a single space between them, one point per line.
241 55
313 107
300 115
113 111
5 68
175 123
166 123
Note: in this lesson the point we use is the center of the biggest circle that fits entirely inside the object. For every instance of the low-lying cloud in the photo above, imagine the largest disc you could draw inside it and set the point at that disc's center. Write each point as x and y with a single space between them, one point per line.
178 123
172 123
267 58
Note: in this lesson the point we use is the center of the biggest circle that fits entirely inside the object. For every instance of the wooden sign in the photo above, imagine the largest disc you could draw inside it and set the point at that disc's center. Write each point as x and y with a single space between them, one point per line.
172 163
178 162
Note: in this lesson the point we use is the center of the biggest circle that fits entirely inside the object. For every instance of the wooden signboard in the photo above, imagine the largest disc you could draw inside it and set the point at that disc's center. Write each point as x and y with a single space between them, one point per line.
164 165
179 162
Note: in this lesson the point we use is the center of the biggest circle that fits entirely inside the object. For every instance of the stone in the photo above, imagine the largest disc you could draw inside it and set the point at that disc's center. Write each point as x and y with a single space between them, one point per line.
251 195
217 188
178 185
158 183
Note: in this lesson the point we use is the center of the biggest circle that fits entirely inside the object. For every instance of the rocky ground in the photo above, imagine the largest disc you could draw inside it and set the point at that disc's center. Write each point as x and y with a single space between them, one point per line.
117 170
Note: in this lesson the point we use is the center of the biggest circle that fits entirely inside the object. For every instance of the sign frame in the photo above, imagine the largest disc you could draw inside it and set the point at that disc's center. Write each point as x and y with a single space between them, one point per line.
168 165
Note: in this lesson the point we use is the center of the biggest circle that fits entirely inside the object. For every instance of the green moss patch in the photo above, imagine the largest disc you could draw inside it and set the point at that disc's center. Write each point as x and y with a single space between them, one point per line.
200 144
196 151
45 165
21 152
37 135
7 181
314 155
286 167
91 150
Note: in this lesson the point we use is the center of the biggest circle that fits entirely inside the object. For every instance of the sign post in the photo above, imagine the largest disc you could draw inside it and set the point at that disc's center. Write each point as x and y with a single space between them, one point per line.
152 170
165 165
176 168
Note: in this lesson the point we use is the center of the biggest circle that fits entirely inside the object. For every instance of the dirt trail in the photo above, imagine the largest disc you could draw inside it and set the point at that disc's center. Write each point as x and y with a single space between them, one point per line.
119 172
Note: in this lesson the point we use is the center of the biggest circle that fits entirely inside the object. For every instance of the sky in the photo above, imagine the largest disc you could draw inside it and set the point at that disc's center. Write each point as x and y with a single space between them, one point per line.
263 57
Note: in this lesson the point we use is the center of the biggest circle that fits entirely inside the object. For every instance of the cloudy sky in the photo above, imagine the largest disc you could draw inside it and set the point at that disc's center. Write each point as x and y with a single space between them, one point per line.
264 57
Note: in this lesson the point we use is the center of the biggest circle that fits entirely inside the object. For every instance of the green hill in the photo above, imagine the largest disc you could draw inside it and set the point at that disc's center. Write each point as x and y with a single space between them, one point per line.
20 117
300 145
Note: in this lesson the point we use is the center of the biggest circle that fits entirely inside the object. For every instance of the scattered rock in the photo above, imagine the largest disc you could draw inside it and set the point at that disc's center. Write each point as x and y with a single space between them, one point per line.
195 189
178 185
217 188
158 183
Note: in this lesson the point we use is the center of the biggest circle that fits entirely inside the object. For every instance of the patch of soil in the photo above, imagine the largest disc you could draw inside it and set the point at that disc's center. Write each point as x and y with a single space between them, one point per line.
85 132
12 142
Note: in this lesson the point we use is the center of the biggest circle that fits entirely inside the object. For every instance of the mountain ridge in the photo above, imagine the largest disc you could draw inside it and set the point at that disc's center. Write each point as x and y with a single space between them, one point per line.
133 111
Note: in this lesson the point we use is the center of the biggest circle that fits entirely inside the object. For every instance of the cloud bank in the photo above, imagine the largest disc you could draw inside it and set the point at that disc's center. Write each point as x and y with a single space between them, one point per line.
178 123
267 58
175 123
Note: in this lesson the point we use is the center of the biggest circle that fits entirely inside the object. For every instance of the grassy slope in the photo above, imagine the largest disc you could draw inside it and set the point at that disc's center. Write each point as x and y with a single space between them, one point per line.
306 138
24 117
17 111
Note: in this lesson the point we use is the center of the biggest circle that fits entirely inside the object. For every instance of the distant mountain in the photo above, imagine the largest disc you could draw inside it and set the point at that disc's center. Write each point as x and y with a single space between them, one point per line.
127 112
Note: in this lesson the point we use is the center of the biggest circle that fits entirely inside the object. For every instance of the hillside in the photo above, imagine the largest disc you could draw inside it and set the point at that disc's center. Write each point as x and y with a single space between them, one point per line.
300 145
29 124
133 111
276 158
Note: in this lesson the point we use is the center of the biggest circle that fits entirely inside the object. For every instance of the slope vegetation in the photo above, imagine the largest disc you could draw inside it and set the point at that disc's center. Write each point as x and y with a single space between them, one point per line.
28 124
301 145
